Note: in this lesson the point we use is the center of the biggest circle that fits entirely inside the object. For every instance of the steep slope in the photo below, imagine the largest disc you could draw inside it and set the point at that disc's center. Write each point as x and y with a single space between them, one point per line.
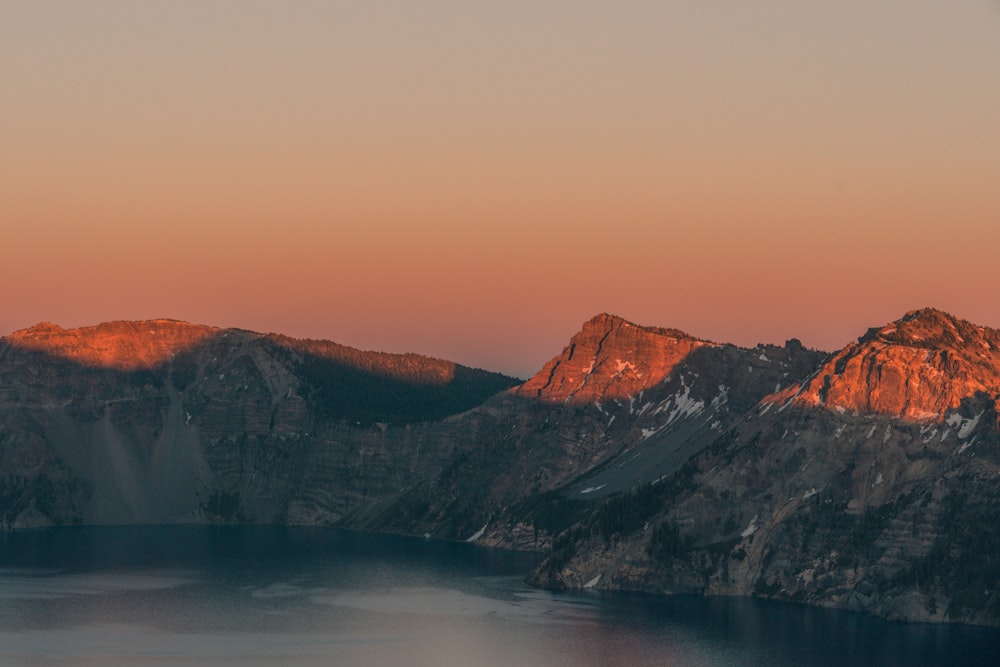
610 358
846 490
639 458
918 367
542 453
163 421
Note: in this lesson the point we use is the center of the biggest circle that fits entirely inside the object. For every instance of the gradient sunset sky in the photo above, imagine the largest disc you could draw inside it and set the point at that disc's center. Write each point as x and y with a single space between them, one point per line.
474 180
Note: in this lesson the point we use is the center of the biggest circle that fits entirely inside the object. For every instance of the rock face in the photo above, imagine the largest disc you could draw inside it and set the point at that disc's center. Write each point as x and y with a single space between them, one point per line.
163 421
638 459
918 368
610 358
871 486
126 346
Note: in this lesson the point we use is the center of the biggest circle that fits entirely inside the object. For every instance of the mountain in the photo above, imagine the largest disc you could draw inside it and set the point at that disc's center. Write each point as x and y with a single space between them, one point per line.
639 458
164 422
917 368
610 358
871 485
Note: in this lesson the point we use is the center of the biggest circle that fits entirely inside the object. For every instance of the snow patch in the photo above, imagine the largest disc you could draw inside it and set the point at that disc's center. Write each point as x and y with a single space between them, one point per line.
592 582
888 434
767 406
479 533
591 489
763 357
967 445
721 398
752 528
684 405
879 480
965 426
968 426
809 494
622 366
871 432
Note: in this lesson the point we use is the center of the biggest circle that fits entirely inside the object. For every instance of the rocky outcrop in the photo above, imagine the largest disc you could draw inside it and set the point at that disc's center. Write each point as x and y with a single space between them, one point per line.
610 358
870 486
919 367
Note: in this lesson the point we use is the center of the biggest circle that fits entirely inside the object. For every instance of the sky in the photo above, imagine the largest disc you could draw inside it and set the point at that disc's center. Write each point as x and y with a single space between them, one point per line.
474 180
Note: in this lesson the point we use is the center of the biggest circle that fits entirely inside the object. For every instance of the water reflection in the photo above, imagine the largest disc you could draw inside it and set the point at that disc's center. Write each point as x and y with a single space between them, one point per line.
250 596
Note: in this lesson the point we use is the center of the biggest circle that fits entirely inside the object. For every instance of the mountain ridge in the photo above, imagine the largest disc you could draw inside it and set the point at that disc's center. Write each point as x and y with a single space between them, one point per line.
918 367
639 458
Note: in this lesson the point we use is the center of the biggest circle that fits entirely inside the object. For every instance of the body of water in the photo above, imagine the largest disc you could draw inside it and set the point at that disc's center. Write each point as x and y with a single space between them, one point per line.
274 595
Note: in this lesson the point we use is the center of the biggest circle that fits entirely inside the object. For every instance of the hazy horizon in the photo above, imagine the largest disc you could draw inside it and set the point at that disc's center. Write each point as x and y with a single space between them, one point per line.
474 182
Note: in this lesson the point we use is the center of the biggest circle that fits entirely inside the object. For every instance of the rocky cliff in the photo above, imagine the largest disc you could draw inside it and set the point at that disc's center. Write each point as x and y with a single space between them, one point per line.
917 368
639 458
872 485
610 358
164 421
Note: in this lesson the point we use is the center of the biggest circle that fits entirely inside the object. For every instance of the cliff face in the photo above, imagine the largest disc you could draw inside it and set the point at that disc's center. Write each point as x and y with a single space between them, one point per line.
869 486
638 459
162 421
917 368
610 358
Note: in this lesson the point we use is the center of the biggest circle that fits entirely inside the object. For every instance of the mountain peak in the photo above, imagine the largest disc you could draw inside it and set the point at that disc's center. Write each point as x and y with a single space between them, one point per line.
917 367
610 358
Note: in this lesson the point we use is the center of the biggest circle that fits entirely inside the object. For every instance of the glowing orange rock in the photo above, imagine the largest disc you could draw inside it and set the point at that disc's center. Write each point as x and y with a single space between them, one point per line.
919 368
610 358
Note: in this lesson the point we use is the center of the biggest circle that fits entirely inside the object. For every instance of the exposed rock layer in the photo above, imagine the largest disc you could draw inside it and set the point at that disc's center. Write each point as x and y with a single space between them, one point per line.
918 367
639 458
610 358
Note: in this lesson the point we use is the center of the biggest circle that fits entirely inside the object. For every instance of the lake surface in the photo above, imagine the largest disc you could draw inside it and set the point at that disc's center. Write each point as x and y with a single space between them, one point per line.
314 596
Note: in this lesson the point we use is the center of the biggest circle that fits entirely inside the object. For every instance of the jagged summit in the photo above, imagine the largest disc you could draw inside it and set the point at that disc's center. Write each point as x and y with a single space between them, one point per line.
918 367
610 358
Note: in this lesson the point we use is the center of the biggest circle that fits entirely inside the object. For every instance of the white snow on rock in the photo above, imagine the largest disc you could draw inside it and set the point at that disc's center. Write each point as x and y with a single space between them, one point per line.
721 398
591 489
683 405
592 582
622 366
752 528
809 494
479 533
965 426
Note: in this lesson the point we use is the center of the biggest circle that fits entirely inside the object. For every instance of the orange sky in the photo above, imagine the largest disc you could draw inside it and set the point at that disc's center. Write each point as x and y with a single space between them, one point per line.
475 182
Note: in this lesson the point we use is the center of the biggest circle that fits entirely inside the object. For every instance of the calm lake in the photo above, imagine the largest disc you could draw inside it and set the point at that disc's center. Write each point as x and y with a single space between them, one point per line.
314 596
